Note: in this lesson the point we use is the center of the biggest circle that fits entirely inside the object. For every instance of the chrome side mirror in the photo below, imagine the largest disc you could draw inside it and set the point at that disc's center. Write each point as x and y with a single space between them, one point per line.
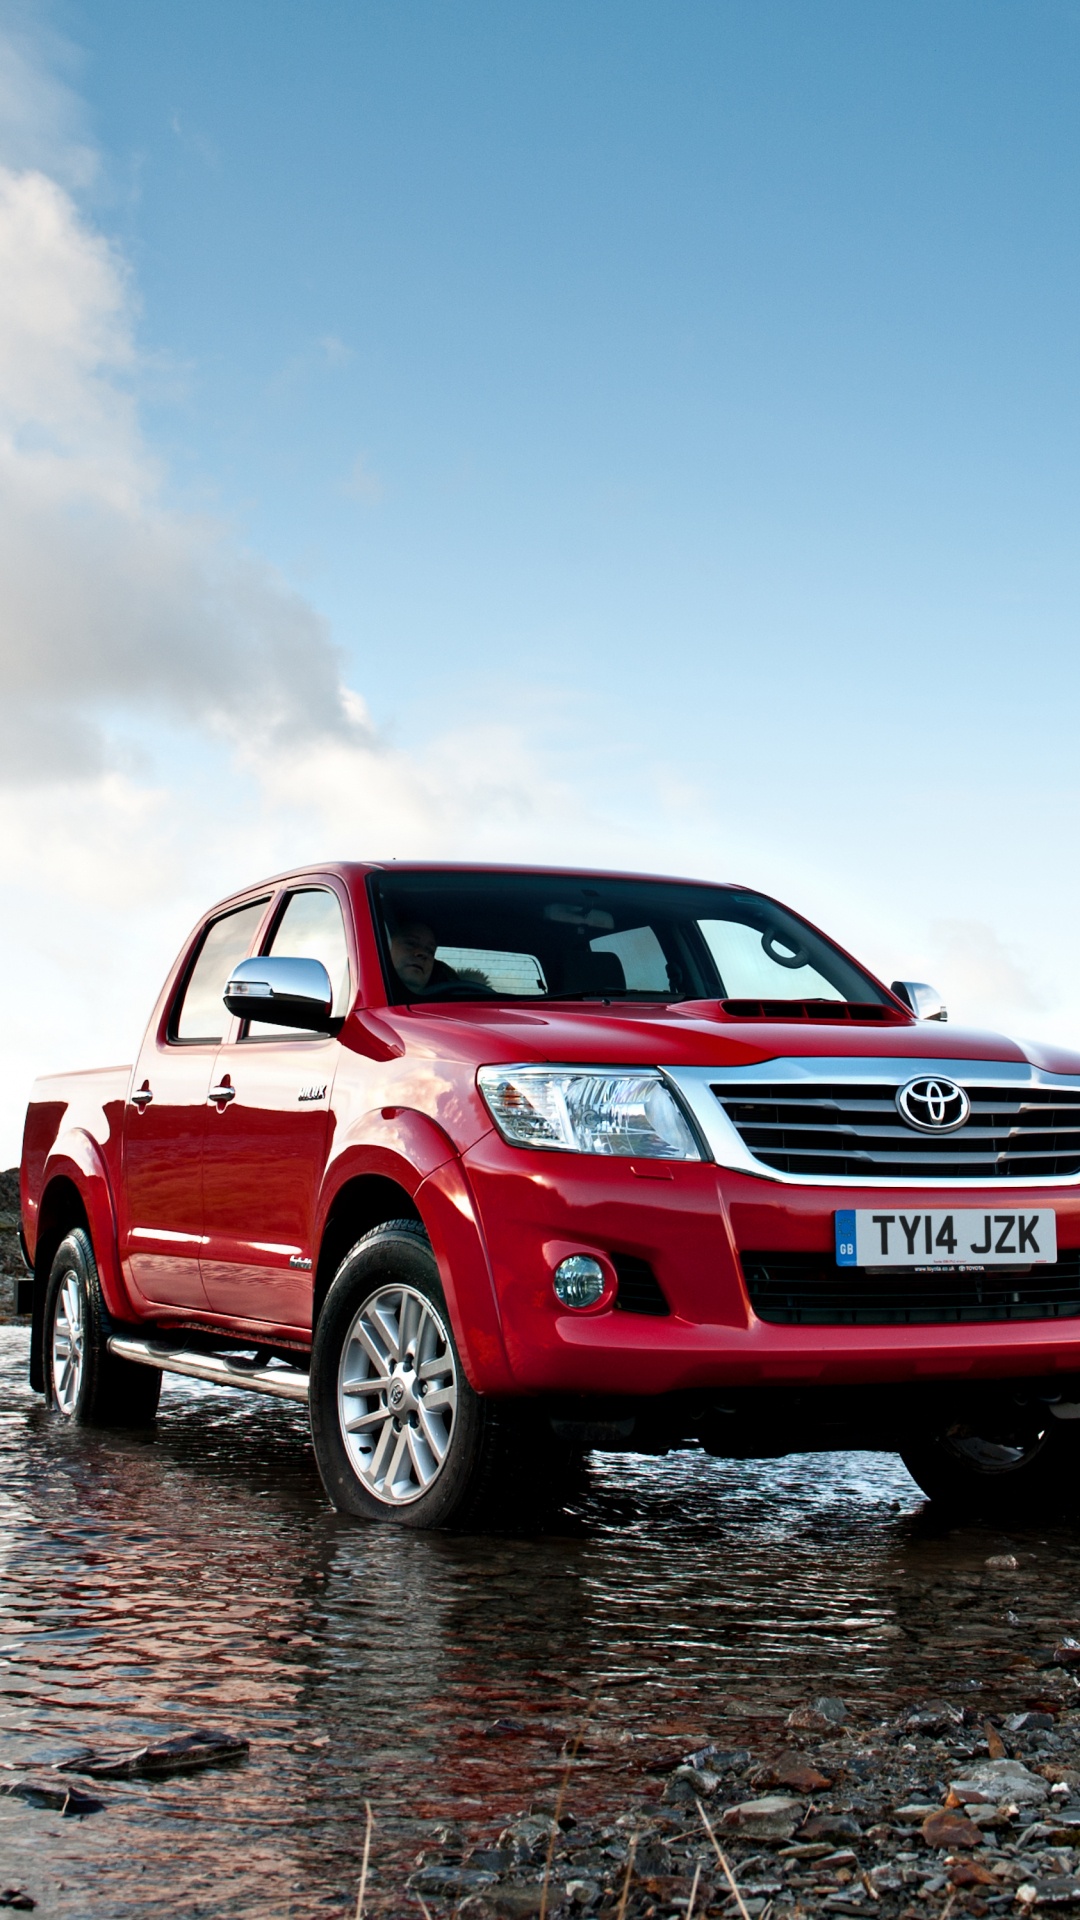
288 993
925 1002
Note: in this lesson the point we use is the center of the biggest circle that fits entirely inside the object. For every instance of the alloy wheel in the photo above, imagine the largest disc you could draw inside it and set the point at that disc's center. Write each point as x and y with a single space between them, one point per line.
69 1343
397 1394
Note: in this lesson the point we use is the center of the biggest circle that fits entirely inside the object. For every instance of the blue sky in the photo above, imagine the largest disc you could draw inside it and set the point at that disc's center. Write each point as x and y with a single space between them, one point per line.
664 420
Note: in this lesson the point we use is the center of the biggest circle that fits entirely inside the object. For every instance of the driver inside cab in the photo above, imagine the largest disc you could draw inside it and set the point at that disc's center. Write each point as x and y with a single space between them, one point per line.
412 955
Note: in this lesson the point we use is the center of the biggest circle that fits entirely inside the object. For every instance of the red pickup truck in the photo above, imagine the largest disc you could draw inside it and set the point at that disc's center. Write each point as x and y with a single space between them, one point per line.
493 1166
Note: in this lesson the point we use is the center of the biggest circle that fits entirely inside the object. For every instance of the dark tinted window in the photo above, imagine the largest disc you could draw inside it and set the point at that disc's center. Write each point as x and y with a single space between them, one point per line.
545 936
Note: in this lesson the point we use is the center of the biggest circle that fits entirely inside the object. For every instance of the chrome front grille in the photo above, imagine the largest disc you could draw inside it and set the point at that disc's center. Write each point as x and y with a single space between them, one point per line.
850 1129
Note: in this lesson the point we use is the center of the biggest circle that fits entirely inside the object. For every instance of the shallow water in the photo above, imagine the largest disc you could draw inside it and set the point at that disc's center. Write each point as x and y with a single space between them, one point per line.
196 1578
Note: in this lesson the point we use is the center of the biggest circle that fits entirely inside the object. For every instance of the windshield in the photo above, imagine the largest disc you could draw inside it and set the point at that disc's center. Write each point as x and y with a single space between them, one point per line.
528 936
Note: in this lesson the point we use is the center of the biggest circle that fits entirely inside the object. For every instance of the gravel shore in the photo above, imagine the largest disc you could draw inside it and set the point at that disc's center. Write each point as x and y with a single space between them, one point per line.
940 1810
11 1262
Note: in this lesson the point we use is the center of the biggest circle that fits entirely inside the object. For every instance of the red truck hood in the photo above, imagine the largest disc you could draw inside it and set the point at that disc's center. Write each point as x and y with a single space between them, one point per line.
688 1035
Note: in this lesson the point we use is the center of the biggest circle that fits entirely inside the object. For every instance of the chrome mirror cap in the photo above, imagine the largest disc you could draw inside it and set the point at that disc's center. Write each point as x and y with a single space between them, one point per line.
286 992
925 1002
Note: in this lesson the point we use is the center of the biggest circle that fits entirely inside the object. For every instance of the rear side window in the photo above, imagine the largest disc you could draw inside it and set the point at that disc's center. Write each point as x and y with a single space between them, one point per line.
641 957
202 1015
508 973
312 927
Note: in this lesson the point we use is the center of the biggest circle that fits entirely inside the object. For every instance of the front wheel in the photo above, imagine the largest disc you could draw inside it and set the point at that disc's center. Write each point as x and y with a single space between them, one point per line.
1000 1464
399 1434
84 1382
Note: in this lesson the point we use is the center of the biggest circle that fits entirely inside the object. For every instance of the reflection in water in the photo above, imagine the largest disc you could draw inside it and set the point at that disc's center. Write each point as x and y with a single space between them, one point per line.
196 1578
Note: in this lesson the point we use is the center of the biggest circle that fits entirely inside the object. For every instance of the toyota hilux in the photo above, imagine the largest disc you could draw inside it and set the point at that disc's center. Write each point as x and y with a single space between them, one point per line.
491 1167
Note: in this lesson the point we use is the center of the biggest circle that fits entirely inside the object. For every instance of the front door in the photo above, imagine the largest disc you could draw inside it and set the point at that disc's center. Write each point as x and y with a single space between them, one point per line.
268 1138
165 1123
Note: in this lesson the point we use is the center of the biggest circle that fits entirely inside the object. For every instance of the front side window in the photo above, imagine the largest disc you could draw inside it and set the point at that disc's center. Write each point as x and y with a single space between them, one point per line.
201 1014
477 936
311 927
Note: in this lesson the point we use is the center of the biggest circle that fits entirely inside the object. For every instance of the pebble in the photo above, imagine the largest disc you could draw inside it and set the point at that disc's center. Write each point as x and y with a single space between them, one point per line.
945 1829
57 1795
773 1817
1000 1780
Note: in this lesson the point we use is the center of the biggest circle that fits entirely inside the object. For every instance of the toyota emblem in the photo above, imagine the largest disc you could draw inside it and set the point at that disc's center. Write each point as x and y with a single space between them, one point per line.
933 1106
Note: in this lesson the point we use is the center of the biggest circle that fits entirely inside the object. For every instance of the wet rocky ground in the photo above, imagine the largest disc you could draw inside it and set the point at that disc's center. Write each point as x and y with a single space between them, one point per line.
792 1672
11 1264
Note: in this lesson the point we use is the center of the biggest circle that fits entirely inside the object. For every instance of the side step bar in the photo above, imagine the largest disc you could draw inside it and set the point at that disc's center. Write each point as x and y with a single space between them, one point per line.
285 1383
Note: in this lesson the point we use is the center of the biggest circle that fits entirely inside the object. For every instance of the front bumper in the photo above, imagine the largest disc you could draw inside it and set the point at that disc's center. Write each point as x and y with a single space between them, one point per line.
688 1222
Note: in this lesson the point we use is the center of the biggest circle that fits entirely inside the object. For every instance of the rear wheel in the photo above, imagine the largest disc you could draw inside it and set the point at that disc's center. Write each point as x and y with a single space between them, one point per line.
399 1433
84 1382
1001 1462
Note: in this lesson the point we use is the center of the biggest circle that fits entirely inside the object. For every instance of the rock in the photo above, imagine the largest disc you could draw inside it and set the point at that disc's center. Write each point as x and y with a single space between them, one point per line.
718 1759
1062 1890
1030 1723
945 1829
527 1836
1066 1653
57 1795
932 1718
186 1753
830 1826
503 1903
968 1873
999 1780
774 1817
453 1881
1002 1563
17 1897
821 1716
886 1878
914 1814
518 1903
688 1784
792 1770
583 1893
491 1859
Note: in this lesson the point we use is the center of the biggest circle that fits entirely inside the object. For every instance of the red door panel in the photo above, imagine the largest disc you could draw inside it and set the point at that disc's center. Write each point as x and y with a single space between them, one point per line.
265 1154
161 1189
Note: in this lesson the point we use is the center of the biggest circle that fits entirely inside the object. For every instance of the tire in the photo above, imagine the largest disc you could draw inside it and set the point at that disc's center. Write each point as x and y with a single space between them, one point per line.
413 1444
84 1382
1001 1463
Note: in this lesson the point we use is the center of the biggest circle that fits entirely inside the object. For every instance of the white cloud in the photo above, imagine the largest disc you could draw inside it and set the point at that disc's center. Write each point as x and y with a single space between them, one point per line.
108 598
42 120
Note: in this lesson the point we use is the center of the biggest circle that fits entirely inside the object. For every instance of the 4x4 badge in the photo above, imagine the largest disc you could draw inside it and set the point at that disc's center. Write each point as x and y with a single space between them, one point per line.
933 1106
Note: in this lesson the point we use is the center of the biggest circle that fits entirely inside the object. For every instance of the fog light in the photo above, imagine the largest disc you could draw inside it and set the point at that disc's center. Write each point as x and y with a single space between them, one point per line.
579 1281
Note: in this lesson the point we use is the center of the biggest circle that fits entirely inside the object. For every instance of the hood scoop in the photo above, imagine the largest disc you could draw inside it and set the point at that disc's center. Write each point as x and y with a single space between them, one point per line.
858 1011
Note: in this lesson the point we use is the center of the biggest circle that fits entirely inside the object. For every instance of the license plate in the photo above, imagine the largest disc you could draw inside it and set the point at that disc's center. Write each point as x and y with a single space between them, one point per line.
966 1237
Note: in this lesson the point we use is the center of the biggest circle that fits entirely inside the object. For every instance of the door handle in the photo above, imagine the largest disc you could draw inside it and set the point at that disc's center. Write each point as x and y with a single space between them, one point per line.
141 1098
222 1093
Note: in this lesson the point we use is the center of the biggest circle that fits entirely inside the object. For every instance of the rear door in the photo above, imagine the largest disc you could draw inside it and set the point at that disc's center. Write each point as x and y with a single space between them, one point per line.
165 1122
267 1141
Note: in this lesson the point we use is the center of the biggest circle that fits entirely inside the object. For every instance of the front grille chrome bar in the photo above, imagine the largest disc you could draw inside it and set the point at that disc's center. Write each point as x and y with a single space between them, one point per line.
834 1122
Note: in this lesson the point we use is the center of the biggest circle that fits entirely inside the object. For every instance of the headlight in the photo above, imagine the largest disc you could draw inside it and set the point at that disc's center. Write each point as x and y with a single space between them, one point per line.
588 1110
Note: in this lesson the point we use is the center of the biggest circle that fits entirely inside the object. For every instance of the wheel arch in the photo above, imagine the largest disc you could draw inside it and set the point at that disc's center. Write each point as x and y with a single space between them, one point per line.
75 1192
366 1200
408 1169
62 1209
